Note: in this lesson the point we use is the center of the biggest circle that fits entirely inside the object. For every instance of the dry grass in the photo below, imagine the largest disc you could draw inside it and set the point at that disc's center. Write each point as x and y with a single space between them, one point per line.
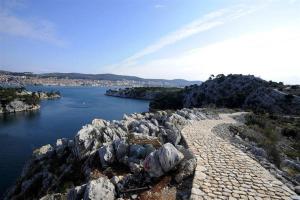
160 191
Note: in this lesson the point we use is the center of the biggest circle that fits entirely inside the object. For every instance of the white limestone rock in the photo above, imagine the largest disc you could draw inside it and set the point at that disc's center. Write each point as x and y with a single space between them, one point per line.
100 189
43 151
107 155
86 140
169 157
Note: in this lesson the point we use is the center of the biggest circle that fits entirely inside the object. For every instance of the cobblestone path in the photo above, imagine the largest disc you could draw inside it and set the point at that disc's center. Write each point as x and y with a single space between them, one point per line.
225 172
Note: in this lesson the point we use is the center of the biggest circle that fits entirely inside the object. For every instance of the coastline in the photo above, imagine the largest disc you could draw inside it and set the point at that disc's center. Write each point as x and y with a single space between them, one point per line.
32 108
96 139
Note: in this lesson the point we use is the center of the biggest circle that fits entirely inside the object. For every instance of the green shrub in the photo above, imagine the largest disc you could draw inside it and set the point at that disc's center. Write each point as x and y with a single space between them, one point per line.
169 100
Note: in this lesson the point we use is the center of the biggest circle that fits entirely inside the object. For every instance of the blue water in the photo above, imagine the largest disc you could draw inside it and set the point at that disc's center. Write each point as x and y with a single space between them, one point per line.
21 133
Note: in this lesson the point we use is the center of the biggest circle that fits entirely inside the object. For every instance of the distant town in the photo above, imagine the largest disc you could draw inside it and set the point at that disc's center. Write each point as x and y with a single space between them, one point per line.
74 79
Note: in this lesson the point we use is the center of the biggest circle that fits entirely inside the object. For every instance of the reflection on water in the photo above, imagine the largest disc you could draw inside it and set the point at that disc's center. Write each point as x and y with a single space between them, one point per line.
13 117
20 133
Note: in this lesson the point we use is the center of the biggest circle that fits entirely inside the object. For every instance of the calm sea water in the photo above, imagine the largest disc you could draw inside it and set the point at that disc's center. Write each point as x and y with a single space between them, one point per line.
21 133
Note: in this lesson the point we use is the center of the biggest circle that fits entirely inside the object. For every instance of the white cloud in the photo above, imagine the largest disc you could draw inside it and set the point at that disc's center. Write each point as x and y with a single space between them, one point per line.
34 29
207 22
273 55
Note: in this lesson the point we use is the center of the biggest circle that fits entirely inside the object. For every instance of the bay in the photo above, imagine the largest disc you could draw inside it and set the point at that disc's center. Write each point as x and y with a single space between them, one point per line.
21 133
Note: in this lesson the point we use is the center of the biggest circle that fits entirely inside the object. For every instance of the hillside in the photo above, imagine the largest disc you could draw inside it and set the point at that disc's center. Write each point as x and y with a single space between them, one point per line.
236 91
147 93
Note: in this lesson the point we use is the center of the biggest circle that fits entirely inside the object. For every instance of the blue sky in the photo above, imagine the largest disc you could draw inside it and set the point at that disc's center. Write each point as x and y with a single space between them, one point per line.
169 39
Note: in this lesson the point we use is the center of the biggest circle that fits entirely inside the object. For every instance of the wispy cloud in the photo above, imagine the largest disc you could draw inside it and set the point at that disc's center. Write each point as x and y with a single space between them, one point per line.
207 22
33 28
254 53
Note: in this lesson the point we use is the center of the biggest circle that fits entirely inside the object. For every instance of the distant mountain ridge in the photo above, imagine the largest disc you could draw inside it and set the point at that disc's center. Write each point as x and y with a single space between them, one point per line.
108 77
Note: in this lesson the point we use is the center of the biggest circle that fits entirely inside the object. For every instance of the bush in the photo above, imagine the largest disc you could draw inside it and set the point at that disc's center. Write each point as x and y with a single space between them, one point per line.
289 97
165 101
290 132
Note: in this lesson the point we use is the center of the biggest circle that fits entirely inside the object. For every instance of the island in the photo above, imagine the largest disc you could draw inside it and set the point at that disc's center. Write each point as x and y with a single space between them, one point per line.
18 99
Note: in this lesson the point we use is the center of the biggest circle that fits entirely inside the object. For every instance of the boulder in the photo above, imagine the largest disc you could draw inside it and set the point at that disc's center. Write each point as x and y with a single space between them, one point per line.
173 136
85 140
152 166
43 151
100 189
107 155
153 129
76 193
162 160
121 149
137 151
142 129
169 157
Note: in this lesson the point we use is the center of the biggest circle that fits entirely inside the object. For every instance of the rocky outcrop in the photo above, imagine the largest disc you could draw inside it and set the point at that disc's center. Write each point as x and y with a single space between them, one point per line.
240 91
100 189
40 94
48 95
103 162
20 100
18 106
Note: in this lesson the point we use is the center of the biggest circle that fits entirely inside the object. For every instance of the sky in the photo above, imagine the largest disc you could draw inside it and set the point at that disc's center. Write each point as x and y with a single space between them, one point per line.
189 39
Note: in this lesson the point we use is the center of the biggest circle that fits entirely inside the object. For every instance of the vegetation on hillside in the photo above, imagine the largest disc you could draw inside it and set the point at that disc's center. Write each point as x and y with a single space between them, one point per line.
235 91
167 100
8 95
148 93
140 91
278 135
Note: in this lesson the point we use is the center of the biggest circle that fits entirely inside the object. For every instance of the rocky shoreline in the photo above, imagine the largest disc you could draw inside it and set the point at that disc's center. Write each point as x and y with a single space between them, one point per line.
19 104
126 159
145 93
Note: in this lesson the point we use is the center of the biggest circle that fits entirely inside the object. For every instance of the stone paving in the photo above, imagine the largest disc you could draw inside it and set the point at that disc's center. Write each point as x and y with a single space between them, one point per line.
225 172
